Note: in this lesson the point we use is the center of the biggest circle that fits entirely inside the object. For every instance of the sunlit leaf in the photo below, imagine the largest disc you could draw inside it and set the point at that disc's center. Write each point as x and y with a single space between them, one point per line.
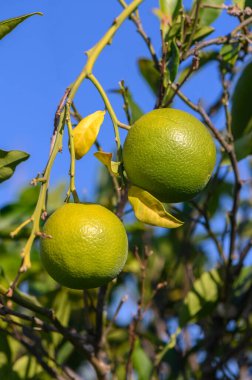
242 4
150 74
149 210
170 7
8 162
6 26
208 15
241 104
203 32
106 159
239 3
86 132
202 298
27 367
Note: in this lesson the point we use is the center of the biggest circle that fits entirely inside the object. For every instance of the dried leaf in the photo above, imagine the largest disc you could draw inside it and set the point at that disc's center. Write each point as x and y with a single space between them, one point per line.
149 210
86 132
106 159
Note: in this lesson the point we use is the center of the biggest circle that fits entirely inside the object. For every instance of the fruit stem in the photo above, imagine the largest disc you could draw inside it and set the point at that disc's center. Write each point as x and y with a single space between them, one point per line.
111 111
72 188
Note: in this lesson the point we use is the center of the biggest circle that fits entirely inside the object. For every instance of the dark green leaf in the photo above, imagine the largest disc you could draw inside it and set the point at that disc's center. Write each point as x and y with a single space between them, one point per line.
208 15
244 281
241 104
8 162
229 53
62 308
173 62
243 146
150 74
6 26
202 298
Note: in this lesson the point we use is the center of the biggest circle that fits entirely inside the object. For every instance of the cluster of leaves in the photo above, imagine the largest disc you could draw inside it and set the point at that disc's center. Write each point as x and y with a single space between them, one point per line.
187 314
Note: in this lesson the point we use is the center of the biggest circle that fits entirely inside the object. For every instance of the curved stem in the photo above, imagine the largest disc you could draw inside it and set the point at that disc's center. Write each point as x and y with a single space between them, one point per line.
109 107
72 189
40 206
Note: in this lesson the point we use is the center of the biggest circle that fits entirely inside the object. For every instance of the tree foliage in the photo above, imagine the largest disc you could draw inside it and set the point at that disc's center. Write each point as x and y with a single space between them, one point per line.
181 308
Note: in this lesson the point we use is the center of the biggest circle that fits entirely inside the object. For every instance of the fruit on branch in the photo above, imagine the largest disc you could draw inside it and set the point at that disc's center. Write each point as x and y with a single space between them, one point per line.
84 245
170 154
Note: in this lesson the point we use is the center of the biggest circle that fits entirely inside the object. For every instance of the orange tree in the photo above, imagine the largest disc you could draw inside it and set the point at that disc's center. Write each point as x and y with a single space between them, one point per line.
174 312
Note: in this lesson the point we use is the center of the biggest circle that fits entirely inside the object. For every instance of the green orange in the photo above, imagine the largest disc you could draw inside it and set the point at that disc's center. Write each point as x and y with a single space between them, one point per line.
169 153
85 245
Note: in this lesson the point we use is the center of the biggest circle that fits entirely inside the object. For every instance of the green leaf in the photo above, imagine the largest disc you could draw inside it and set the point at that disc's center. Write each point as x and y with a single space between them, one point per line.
208 15
243 146
202 298
243 283
6 26
203 32
173 63
62 309
150 74
27 367
229 53
173 32
141 362
170 7
167 347
8 162
149 210
5 352
241 104
135 110
242 4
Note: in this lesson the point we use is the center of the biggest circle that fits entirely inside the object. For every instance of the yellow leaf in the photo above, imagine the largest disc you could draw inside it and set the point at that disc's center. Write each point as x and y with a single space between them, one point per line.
106 159
149 210
86 132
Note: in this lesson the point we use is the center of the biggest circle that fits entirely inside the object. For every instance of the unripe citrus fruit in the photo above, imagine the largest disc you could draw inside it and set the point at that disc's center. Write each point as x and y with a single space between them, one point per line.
170 154
86 246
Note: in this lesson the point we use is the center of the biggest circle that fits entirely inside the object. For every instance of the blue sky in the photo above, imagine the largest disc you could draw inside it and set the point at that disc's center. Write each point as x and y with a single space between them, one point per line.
45 54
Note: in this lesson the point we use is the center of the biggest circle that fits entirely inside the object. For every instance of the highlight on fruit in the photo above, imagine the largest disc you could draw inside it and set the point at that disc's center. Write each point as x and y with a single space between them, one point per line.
170 154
